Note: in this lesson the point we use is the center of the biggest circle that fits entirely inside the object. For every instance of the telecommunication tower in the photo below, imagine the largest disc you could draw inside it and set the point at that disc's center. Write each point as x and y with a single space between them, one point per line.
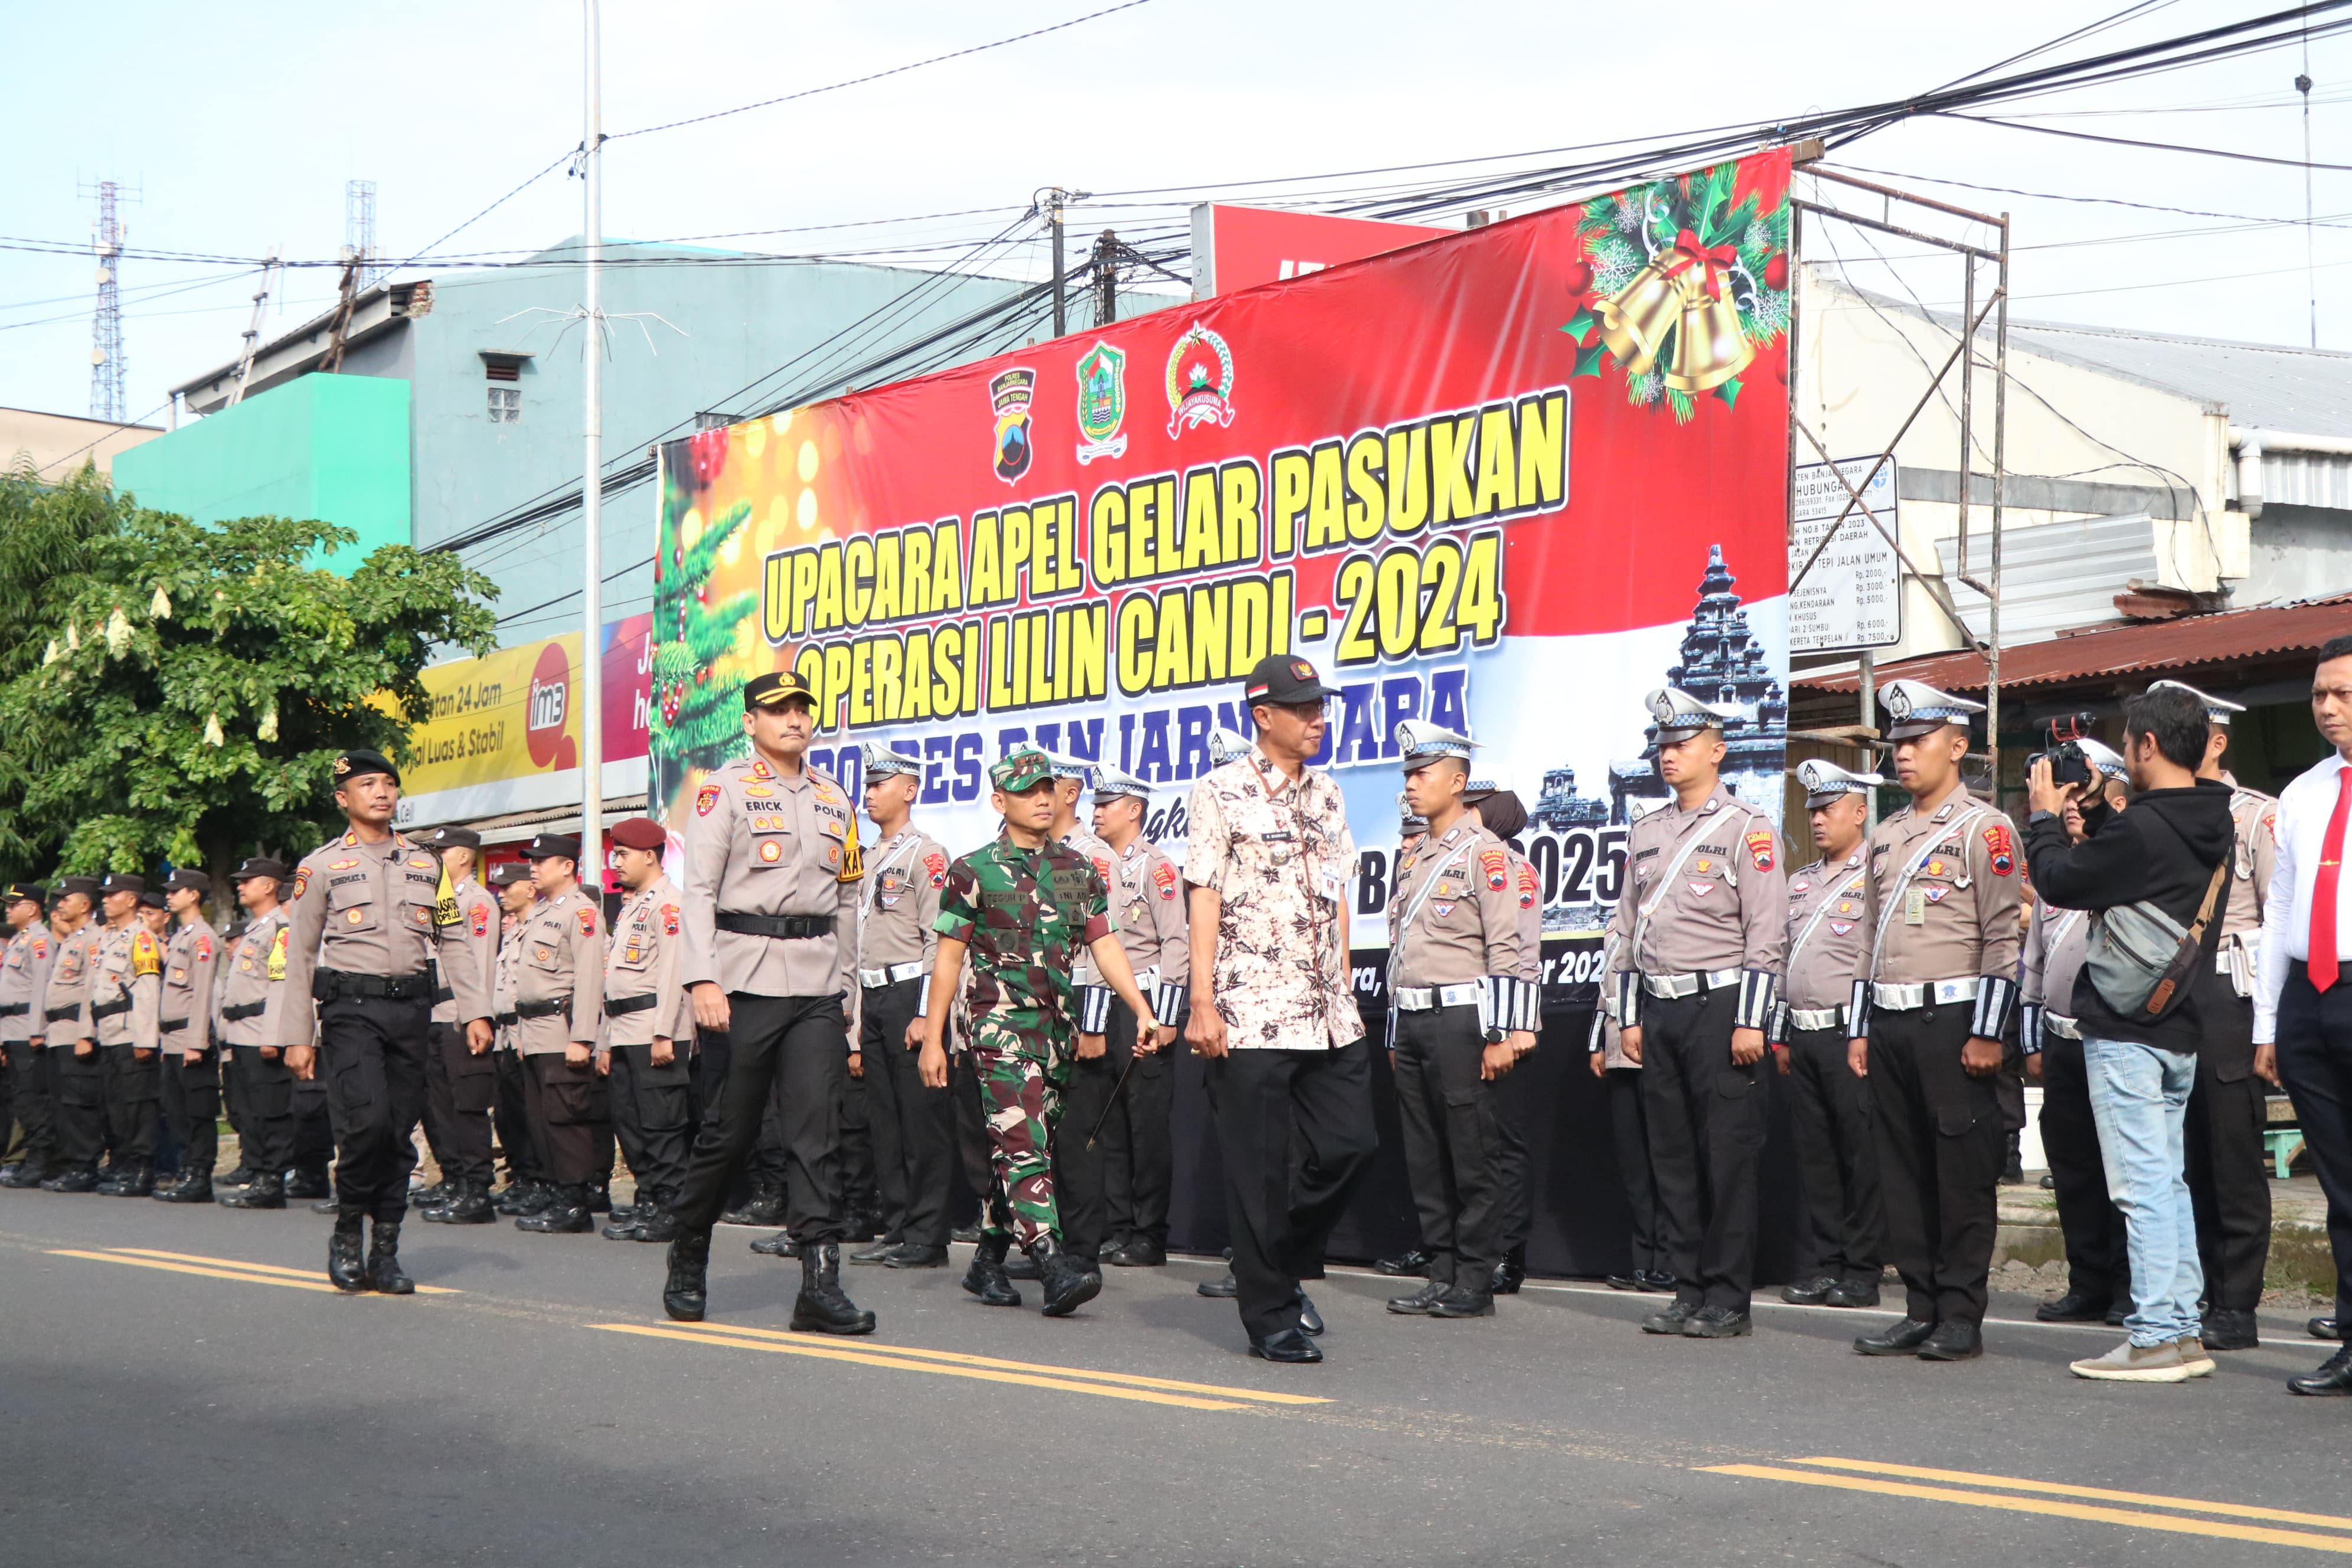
358 229
107 368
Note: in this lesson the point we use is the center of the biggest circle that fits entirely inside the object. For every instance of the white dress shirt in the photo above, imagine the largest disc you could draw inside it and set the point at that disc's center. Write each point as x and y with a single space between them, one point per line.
2303 810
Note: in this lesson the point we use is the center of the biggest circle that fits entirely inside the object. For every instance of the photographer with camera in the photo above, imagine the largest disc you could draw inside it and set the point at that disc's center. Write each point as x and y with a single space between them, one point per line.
2154 879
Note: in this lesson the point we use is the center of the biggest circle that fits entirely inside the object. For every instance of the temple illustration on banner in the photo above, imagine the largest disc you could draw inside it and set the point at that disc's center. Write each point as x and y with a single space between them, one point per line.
1724 664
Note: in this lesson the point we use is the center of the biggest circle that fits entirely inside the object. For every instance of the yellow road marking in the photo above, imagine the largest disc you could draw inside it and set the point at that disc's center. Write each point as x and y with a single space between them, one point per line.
2204 1527
906 1363
223 1268
1134 1380
191 1268
278 1269
2056 1489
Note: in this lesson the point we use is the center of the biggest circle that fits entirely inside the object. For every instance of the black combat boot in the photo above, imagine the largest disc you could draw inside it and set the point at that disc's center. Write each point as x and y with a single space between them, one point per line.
1070 1282
30 1174
236 1178
194 1186
985 1279
434 1196
471 1206
821 1308
1510 1273
78 1179
625 1229
764 1207
384 1273
111 1177
138 1180
266 1191
655 1221
311 1184
779 1245
685 1294
566 1215
599 1197
344 1267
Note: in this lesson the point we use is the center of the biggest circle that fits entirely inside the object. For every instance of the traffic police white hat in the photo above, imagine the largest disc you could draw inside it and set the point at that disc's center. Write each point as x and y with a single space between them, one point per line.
1824 782
1421 742
1678 715
2104 758
1066 767
1918 708
1226 746
881 761
1409 821
1110 784
2218 710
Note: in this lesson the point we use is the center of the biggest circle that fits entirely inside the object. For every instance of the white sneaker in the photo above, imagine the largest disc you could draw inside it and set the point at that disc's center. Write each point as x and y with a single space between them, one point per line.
2192 1352
2129 1363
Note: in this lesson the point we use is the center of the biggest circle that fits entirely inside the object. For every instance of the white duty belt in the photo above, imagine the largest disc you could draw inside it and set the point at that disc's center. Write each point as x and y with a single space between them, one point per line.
1899 998
1669 986
870 978
1818 1017
1425 998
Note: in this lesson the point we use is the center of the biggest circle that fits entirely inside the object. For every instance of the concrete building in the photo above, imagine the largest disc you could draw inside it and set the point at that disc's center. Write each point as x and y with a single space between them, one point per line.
55 445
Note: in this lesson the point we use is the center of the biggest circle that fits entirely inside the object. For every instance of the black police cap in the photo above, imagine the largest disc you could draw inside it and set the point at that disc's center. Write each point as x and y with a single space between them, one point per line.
258 866
359 762
507 873
553 846
775 689
1284 678
86 886
32 891
123 882
449 838
190 880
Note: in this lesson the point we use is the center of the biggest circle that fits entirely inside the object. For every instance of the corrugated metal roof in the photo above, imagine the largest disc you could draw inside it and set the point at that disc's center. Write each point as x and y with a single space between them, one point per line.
2145 648
2308 391
2054 577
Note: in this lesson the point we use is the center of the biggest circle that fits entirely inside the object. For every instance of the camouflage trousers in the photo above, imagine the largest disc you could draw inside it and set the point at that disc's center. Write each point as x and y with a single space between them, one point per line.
1021 1096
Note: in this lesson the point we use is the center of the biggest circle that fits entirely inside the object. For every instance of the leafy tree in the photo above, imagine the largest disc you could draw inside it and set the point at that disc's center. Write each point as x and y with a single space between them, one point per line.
204 679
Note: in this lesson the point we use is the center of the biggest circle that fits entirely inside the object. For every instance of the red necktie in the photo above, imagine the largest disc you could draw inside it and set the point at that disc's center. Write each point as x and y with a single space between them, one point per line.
2322 963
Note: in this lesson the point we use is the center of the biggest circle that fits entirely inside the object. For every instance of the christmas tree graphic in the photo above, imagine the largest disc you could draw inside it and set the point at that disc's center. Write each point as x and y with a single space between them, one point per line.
697 723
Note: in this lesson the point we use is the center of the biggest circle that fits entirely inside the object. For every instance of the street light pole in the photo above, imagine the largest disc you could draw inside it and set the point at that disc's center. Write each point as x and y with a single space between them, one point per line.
592 497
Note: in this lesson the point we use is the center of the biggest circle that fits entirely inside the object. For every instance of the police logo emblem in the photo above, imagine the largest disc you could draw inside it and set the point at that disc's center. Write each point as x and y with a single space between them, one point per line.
1199 380
1102 402
1898 703
1010 394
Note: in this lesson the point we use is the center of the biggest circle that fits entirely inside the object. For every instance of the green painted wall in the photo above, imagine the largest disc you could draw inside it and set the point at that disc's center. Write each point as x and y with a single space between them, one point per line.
333 447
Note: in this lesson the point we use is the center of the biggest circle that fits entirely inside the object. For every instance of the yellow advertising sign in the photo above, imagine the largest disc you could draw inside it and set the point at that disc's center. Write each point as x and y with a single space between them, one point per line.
498 724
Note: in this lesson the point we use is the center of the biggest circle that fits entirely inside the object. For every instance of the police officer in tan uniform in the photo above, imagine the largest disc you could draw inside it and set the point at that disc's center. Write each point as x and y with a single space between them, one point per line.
1701 928
1114 1188
1837 1150
772 869
526 1191
361 944
648 1033
2098 1260
1934 988
76 1072
248 1003
913 1124
25 968
120 1014
461 1082
559 1007
1456 1000
1501 812
191 1064
2225 1164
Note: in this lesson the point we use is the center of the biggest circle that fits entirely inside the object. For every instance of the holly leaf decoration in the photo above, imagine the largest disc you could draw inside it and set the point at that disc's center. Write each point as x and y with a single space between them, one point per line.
1729 392
1578 326
1588 360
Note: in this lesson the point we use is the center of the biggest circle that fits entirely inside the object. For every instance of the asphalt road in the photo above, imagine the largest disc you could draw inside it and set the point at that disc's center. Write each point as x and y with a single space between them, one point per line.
178 1385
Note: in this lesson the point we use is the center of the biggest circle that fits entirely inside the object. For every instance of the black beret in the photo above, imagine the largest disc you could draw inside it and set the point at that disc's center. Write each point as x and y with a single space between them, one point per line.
359 762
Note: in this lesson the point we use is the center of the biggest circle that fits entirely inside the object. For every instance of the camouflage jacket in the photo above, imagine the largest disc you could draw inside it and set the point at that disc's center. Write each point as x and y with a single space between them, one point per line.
1025 915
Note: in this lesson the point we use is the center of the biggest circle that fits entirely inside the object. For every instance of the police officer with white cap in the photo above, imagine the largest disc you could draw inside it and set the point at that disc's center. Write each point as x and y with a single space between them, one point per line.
2228 1174
1934 987
1837 1153
1701 929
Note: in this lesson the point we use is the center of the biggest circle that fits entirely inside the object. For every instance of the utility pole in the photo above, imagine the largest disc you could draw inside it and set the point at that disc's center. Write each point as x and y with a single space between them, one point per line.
1105 263
1054 225
592 487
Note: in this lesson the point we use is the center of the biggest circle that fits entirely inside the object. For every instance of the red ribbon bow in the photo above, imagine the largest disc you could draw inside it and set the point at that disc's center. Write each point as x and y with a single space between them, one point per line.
1689 253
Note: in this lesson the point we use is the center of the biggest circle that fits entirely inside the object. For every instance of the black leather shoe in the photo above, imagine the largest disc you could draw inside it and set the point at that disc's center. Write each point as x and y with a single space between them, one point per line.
2317 1328
1659 1281
985 1279
2117 1310
1137 1252
622 1214
966 1233
521 1197
385 1275
568 1216
472 1206
879 1253
1629 1282
1069 1280
1405 1265
779 1245
81 1181
821 1308
915 1255
110 1178
1224 1288
1669 1319
195 1187
1809 1292
1509 1276
1418 1304
1953 1342
2231 1328
266 1191
1717 1324
328 1204
8 1174
685 1293
655 1223
306 1184
763 1209
236 1178
1311 1321
1287 1346
28 1175
1901 1337
136 1180
345 1270
1463 1301
2076 1305
2334 1378
600 1198
1852 1293
621 1230
434 1196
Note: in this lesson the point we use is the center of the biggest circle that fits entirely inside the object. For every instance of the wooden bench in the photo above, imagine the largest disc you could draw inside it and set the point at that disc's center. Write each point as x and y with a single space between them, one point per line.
2282 1137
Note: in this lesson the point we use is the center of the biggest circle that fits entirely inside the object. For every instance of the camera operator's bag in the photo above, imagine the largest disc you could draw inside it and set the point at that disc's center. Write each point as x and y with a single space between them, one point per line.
2140 959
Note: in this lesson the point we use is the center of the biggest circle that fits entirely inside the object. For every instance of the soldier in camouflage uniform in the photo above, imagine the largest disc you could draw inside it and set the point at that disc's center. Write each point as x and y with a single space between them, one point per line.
1026 907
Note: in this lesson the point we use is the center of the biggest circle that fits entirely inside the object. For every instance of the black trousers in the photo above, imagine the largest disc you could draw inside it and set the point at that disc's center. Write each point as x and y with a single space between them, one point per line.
191 1106
1511 1166
371 1055
461 1090
511 1119
1941 1145
1706 1128
1630 1127
263 1088
1281 1220
565 1101
2314 1060
1121 1187
801 1043
9 1141
2098 1260
32 1075
233 1100
316 1127
1837 1157
860 1192
1452 1150
2229 1179
653 1115
133 1090
913 1126
973 1149
80 1082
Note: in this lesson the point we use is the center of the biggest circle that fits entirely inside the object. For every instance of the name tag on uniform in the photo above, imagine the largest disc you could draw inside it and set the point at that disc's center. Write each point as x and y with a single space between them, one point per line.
1915 906
1279 835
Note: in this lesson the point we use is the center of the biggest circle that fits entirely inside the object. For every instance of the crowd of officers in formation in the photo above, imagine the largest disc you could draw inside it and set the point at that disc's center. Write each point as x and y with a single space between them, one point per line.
821 1031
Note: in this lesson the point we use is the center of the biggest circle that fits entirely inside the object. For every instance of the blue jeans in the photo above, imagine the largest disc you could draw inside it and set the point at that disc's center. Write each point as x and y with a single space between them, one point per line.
2139 1098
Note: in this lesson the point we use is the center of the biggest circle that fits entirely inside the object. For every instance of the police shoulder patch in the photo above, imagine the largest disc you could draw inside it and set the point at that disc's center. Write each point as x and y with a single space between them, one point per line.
1759 848
1496 867
1527 887
670 920
587 922
705 798
146 958
205 949
935 863
1163 877
2001 850
479 916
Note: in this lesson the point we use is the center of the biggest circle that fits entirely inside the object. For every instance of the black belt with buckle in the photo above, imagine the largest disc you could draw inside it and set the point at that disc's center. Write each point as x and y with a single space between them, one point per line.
338 984
12 1009
789 927
506 1020
547 1009
242 1011
59 1014
109 1009
622 1007
171 1026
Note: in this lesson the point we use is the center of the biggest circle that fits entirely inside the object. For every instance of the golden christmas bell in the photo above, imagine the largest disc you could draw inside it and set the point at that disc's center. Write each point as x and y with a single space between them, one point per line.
1709 347
1637 319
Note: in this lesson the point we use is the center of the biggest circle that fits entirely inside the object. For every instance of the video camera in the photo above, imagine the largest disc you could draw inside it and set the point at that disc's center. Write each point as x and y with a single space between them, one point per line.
2068 765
